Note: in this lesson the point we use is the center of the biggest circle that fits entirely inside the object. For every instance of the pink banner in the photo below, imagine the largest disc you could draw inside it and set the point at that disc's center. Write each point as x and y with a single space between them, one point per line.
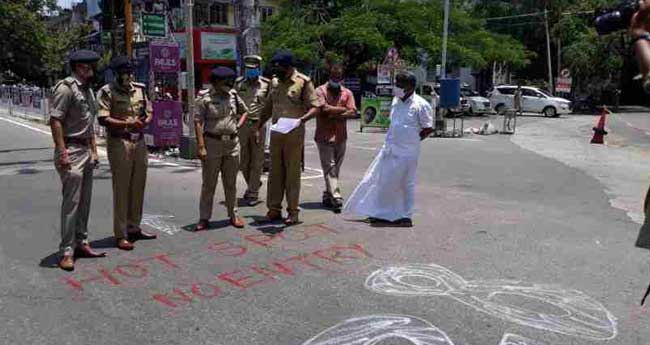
164 57
167 126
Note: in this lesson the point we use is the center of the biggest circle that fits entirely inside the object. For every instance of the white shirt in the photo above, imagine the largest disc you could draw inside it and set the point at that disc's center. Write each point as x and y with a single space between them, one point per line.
407 119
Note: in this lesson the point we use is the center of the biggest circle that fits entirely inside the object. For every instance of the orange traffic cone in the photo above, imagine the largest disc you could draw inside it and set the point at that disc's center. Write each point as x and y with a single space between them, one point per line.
599 130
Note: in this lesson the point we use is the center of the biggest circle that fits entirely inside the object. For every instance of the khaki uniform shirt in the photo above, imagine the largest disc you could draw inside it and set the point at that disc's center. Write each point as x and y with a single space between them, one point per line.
74 104
253 95
290 98
219 113
117 102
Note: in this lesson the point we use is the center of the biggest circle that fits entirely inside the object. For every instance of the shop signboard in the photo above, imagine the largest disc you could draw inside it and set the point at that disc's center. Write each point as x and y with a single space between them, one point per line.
218 46
167 126
153 25
164 57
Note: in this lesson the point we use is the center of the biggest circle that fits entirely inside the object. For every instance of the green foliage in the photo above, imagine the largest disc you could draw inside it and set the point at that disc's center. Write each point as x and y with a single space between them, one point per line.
360 32
29 49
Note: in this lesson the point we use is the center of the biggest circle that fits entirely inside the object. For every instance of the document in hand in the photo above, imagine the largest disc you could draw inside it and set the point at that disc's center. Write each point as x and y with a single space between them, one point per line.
285 125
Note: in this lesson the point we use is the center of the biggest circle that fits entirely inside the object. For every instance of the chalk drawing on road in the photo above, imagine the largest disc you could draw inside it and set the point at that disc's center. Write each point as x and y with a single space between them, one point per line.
513 339
545 307
161 223
373 329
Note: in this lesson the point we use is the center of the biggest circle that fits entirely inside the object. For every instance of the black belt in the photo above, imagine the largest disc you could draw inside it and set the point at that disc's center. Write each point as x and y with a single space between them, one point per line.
220 137
77 141
133 137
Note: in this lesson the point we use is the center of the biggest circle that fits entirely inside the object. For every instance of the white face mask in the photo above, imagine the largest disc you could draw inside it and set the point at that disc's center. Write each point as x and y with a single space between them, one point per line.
398 92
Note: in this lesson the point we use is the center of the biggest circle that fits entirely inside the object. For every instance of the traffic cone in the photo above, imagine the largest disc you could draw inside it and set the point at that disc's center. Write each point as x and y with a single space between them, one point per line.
599 130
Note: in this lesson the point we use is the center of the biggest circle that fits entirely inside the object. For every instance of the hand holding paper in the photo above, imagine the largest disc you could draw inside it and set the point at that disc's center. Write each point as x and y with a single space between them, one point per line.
285 125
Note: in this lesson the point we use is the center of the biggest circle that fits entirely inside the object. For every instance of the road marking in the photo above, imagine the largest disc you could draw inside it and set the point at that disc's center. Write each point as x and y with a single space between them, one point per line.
24 125
364 148
152 160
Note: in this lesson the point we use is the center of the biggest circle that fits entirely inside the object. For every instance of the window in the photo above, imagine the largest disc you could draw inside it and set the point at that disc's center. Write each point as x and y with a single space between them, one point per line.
266 13
529 93
201 15
506 90
219 13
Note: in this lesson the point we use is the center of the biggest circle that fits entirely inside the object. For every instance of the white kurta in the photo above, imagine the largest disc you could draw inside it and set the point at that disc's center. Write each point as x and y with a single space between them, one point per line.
387 191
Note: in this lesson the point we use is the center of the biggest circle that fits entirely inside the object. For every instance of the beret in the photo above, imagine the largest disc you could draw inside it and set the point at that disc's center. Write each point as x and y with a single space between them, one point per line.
83 56
283 58
121 63
222 73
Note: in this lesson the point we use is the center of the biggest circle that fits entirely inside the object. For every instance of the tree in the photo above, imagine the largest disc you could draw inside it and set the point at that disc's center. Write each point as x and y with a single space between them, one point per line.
360 32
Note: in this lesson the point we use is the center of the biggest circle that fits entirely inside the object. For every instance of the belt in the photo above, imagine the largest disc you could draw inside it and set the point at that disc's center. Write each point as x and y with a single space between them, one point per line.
220 137
77 141
134 137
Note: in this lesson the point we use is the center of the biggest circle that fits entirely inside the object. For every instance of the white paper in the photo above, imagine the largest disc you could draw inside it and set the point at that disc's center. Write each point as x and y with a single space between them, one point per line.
285 125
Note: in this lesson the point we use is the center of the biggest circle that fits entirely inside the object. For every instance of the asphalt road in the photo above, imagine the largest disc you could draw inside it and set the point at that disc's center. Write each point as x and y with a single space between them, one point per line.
508 245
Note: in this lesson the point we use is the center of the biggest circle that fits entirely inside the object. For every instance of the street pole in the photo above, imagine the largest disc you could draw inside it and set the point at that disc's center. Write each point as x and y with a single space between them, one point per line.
128 27
249 28
189 62
445 35
548 54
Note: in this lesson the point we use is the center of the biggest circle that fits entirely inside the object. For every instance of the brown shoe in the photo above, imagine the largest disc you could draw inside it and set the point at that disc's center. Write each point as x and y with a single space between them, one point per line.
202 225
124 244
292 219
237 222
86 251
272 216
138 234
67 263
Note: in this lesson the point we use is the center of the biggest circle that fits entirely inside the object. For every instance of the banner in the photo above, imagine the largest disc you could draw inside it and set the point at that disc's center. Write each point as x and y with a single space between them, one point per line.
167 125
218 46
375 112
164 57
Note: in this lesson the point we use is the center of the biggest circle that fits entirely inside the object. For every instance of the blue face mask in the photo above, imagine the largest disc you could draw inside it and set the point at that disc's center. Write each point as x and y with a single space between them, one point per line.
252 73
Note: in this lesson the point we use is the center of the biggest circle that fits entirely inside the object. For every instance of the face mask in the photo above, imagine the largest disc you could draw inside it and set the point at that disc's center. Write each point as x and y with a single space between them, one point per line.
252 73
398 92
334 86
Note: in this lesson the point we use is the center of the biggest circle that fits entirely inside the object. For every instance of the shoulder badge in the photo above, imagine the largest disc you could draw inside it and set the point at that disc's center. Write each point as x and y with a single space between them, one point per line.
139 85
303 77
203 93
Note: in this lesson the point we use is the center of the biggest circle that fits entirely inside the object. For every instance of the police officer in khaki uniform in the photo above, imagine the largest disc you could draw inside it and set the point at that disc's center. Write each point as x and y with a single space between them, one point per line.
72 114
219 114
253 89
125 110
291 95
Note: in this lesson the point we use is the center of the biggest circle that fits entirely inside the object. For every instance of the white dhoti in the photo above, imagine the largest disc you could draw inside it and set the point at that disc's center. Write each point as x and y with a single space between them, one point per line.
387 190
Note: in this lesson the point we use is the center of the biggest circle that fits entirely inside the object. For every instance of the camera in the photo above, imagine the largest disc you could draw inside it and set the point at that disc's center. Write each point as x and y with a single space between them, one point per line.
617 18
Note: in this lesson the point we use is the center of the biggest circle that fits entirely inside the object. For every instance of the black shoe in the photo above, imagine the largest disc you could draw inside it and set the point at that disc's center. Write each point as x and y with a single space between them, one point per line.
327 202
405 222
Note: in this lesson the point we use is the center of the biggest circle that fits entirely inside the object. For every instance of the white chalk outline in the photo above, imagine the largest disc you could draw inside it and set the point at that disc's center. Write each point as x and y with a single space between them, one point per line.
157 222
583 316
373 329
514 339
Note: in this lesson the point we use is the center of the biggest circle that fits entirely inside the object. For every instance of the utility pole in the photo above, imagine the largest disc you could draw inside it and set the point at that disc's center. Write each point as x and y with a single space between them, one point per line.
249 27
128 27
189 62
559 56
551 87
445 35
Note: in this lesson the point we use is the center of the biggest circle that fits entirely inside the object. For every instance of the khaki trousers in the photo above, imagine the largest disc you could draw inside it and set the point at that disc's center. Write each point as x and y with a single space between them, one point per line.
251 161
129 162
331 159
77 189
284 177
223 158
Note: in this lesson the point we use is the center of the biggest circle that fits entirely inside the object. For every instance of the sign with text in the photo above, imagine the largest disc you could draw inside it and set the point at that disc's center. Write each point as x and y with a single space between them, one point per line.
218 46
563 85
153 25
166 128
164 57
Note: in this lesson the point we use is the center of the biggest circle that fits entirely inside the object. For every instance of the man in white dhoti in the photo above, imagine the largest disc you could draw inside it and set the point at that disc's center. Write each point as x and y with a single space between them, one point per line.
387 191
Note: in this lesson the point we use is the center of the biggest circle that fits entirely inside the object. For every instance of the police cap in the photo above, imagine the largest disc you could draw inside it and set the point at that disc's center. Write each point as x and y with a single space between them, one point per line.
222 73
83 56
252 61
121 64
283 58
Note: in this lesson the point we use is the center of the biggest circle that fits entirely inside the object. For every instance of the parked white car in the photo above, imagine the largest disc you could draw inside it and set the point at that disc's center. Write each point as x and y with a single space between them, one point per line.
534 101
477 105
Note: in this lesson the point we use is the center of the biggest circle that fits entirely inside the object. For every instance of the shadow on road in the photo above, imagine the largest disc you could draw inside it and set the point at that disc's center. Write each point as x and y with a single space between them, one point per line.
216 225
